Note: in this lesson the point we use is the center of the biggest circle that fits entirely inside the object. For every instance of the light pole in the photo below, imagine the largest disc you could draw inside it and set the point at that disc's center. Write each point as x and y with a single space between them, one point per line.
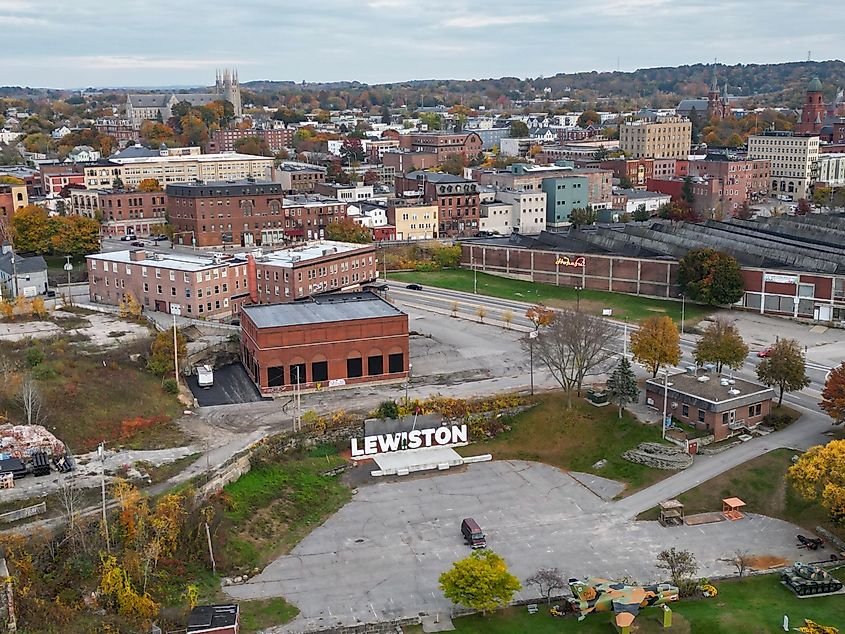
683 311
474 273
578 290
665 401
531 337
407 381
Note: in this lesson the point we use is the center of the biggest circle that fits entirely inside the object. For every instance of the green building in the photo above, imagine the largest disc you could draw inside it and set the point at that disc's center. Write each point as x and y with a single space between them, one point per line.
562 196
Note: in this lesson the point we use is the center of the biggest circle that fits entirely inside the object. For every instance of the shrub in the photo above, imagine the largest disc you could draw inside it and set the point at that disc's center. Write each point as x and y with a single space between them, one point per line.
170 385
387 409
34 356
777 420
43 372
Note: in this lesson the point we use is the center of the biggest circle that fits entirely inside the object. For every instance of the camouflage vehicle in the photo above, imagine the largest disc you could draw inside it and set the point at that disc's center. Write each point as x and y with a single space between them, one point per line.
807 579
602 595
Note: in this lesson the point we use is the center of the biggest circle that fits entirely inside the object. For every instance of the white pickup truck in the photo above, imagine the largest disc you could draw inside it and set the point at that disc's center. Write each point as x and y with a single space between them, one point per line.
205 376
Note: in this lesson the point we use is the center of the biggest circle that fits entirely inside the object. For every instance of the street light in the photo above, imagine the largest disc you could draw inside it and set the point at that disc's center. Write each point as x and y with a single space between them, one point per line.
407 381
578 290
683 311
531 337
665 401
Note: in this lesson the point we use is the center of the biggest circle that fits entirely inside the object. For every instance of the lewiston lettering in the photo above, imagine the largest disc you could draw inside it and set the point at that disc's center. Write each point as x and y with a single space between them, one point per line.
415 439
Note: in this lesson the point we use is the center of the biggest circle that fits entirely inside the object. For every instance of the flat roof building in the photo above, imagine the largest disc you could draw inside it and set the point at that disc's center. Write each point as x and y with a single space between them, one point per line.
327 341
665 137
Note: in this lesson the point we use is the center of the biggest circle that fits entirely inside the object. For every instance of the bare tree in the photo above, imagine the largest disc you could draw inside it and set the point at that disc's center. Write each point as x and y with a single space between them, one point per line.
740 560
71 501
507 317
680 564
481 312
547 580
573 346
29 398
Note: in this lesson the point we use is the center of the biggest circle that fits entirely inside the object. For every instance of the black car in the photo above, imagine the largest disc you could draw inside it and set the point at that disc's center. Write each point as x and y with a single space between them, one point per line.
414 287
137 243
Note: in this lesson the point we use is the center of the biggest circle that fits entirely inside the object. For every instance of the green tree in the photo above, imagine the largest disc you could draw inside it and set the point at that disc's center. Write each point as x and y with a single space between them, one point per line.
820 474
519 130
76 235
710 277
687 194
721 344
33 229
784 368
625 183
822 196
432 120
622 384
347 230
481 582
253 145
656 344
641 214
589 117
583 216
448 257
160 361
454 164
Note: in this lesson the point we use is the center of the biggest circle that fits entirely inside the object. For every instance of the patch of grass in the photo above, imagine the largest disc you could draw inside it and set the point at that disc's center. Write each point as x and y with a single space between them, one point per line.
575 440
260 614
162 473
761 483
87 397
754 606
635 309
271 508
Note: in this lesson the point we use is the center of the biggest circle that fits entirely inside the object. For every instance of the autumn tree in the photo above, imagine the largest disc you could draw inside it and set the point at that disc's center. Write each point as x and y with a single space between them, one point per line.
811 627
744 211
573 346
622 384
149 185
129 307
76 235
253 145
819 474
160 361
657 343
547 581
833 394
803 207
540 315
710 277
481 582
721 344
347 230
784 368
680 565
33 230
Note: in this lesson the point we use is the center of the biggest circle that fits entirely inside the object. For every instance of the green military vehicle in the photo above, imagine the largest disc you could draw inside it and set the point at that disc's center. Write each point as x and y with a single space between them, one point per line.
807 579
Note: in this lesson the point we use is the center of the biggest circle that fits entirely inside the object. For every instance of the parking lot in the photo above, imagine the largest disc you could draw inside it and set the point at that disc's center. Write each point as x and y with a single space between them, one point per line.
392 541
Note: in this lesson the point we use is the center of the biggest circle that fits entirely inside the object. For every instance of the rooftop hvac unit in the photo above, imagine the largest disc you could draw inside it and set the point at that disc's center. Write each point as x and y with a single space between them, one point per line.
733 391
703 379
723 382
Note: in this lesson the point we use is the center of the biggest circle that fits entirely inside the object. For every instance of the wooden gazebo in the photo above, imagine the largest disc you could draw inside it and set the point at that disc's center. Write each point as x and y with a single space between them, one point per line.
731 508
671 513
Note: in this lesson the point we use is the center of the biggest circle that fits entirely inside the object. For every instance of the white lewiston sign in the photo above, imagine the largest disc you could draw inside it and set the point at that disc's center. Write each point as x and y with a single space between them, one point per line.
414 439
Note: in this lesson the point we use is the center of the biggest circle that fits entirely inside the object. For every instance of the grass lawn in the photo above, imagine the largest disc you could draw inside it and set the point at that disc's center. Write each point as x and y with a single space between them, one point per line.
271 508
762 485
635 309
257 615
753 606
89 396
57 274
575 440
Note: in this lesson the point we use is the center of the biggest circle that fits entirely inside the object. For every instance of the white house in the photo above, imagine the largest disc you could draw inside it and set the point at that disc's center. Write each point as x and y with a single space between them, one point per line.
7 136
83 154
60 133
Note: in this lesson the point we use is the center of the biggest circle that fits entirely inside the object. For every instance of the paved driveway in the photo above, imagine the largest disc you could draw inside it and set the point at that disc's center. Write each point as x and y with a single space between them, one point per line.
380 556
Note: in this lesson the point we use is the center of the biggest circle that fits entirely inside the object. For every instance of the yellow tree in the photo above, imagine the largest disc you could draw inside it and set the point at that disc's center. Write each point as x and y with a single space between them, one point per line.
149 185
540 315
656 344
129 307
481 582
811 627
820 475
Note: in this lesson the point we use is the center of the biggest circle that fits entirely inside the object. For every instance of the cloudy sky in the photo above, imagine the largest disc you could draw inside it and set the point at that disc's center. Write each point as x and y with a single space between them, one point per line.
82 43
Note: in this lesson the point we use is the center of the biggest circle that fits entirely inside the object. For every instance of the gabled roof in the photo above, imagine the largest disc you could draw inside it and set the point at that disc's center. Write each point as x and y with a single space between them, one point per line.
33 264
147 101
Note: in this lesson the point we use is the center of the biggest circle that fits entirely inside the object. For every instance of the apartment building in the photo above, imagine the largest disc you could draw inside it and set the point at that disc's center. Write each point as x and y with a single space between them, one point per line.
456 199
168 170
209 286
739 179
247 213
345 193
527 210
660 138
313 268
12 197
121 212
413 220
791 159
298 178
225 139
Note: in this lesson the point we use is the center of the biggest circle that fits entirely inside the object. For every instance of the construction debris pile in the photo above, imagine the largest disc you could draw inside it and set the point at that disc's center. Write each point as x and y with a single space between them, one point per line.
23 441
654 454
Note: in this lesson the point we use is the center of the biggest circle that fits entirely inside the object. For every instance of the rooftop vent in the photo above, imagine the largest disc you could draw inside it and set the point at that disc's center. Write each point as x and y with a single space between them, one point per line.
703 379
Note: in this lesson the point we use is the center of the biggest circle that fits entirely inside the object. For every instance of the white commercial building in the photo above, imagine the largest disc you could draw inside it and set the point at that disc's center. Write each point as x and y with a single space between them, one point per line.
792 159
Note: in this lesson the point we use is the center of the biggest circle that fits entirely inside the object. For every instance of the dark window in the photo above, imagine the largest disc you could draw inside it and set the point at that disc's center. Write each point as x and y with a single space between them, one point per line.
725 418
758 409
354 368
701 416
685 410
276 376
396 363
297 373
320 371
375 365
751 410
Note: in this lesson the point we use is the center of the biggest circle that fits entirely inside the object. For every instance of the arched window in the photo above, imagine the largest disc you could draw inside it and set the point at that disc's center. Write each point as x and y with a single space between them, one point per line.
319 368
354 365
375 362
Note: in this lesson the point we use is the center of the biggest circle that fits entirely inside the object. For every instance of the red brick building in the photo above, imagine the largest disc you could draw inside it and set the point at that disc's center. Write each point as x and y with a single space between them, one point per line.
303 271
443 144
122 212
329 341
405 161
722 406
739 180
56 177
246 213
637 171
123 130
814 111
458 208
706 193
224 140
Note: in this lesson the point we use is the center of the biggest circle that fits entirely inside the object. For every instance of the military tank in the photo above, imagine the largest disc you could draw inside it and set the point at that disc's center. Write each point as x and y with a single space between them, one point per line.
807 579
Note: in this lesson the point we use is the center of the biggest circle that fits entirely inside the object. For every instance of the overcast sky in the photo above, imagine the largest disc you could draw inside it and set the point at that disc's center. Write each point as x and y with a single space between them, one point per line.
79 43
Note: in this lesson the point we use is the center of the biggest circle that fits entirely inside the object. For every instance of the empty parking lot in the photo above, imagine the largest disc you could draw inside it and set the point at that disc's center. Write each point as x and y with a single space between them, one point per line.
380 556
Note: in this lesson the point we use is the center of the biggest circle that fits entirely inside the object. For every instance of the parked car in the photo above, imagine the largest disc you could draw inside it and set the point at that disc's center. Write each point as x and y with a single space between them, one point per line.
138 243
127 238
765 352
472 533
159 238
414 287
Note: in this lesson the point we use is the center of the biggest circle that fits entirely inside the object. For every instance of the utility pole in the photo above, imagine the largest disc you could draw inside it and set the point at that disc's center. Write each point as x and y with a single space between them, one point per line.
297 416
683 311
531 337
175 353
625 339
101 451
665 401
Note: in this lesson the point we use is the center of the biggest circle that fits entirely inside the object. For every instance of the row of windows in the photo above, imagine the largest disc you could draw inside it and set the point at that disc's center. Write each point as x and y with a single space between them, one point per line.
298 373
